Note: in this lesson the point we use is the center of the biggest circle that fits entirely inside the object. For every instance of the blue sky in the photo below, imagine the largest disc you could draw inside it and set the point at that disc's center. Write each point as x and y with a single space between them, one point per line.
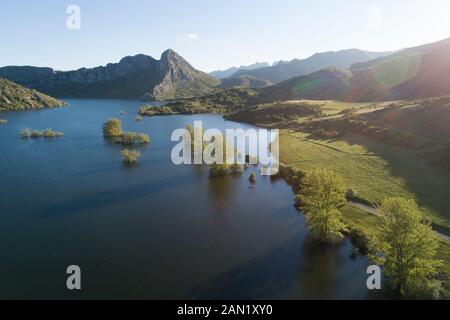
211 34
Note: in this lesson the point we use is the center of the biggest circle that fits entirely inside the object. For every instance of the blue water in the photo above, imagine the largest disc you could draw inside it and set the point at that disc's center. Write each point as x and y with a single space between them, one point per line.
152 231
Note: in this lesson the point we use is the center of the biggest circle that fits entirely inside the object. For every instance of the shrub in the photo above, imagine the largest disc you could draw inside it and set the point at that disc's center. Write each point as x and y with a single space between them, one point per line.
138 118
298 201
130 156
49 133
134 138
218 170
359 240
36 134
236 168
25 133
3 121
112 128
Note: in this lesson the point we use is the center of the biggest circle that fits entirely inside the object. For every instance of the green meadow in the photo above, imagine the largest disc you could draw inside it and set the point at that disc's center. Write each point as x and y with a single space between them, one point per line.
372 170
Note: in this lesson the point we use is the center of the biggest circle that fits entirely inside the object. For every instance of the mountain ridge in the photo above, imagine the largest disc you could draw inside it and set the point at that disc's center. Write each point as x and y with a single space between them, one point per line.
283 70
222 74
133 77
411 73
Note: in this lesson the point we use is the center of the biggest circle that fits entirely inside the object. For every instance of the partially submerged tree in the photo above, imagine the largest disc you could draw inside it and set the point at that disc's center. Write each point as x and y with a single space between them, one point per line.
26 133
406 247
323 193
130 156
36 134
134 138
49 133
112 128
217 152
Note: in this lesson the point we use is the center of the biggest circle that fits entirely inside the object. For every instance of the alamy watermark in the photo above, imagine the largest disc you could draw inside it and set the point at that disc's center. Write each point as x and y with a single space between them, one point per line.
73 21
237 146
73 281
374 280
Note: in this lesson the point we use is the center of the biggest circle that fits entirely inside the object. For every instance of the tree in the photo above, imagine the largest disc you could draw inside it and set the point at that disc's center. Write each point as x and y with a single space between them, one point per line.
112 128
130 156
26 133
252 178
323 193
406 248
135 138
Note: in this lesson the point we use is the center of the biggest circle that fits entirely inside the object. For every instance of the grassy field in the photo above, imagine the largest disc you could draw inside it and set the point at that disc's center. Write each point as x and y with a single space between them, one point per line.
373 171
388 149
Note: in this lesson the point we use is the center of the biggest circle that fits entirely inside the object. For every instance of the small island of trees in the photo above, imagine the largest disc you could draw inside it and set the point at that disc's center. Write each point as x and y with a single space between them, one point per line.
36 134
112 129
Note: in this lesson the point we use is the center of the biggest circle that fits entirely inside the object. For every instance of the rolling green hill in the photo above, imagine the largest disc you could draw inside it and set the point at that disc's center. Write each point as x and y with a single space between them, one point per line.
330 83
244 81
413 73
222 101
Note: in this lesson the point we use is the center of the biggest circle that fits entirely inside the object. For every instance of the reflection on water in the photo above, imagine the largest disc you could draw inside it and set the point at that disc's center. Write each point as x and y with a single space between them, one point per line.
221 192
155 230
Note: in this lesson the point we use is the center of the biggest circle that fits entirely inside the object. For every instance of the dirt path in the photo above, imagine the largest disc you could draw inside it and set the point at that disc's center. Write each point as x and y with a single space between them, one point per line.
374 211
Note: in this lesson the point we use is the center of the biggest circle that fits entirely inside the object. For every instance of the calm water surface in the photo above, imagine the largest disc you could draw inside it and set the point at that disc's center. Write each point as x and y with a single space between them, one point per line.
155 230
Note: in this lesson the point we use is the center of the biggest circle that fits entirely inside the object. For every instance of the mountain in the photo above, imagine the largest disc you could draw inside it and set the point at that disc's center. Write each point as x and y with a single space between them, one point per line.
282 70
244 81
136 77
16 97
222 74
419 72
331 83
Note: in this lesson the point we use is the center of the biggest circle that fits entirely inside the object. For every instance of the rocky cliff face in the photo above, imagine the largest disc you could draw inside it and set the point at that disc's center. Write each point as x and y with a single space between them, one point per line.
180 79
134 77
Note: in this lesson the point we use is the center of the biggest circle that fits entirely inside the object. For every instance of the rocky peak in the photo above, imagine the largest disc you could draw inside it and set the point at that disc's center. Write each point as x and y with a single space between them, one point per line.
175 67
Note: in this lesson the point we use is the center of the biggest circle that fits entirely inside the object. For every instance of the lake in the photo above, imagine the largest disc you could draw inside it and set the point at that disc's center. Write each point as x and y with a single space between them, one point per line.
154 230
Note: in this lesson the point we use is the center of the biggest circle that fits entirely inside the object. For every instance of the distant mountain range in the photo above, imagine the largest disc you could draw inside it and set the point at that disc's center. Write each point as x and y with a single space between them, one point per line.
16 97
222 74
137 77
282 70
244 81
350 75
418 72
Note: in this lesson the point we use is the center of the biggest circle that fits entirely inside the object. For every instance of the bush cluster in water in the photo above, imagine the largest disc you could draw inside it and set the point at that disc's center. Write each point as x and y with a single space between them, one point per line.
130 156
112 128
134 138
3 121
35 134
